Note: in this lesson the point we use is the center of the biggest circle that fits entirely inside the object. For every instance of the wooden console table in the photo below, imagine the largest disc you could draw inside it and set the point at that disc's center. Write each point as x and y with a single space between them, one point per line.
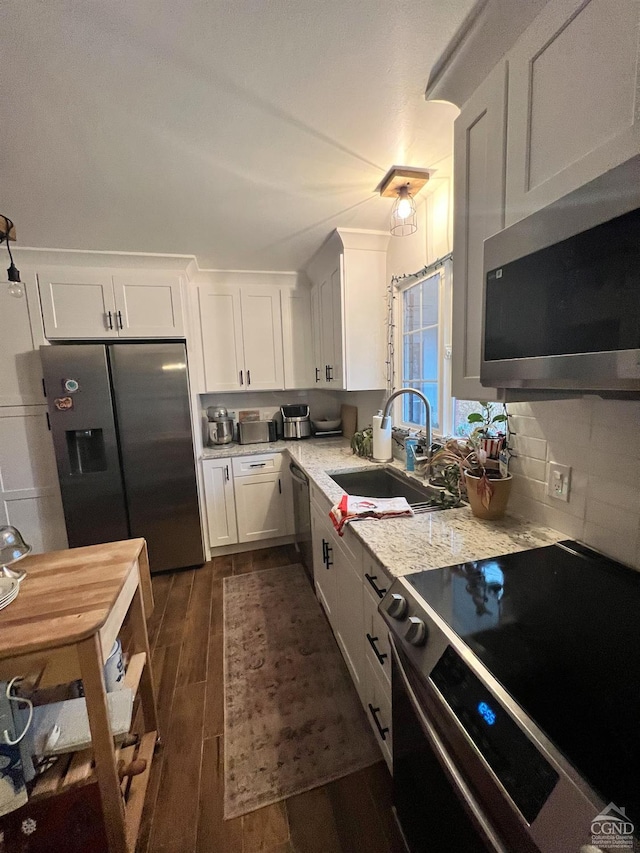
65 620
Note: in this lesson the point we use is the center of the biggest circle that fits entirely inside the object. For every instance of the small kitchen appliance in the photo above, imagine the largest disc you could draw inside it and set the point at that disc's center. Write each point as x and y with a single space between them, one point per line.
256 432
515 703
220 425
296 422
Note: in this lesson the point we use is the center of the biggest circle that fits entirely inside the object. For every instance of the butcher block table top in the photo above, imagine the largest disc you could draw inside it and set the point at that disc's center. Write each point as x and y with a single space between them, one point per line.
70 595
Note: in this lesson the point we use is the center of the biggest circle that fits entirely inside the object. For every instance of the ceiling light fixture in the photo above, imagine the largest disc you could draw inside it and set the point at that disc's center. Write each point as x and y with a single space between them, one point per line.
403 183
8 233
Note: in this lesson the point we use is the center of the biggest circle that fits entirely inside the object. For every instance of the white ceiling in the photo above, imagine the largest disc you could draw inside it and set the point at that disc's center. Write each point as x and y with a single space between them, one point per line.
240 131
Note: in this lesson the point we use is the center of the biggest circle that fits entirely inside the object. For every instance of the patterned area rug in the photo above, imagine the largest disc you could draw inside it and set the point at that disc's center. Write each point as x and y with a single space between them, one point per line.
293 719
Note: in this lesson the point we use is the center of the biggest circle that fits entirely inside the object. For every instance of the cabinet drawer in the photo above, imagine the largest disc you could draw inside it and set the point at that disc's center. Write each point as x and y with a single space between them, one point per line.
374 576
377 707
265 463
376 635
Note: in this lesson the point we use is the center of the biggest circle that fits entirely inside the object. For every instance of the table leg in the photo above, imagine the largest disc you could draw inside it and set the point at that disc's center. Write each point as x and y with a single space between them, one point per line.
91 667
138 625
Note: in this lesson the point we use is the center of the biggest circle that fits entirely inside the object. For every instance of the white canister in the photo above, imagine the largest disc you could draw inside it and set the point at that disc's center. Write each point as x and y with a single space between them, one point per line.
114 668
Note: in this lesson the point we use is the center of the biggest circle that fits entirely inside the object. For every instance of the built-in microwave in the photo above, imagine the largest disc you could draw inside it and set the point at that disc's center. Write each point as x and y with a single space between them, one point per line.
561 306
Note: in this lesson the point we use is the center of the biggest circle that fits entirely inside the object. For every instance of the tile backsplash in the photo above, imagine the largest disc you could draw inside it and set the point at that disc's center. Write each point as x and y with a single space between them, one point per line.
600 440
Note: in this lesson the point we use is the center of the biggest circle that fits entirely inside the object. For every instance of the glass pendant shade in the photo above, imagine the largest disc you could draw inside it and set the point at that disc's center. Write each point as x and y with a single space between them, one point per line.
403 214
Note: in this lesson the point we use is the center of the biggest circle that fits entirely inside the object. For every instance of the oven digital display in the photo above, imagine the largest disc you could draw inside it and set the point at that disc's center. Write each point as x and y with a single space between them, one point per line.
522 770
487 713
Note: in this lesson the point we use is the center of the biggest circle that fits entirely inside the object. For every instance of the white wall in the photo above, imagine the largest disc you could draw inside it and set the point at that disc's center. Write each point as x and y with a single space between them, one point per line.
600 440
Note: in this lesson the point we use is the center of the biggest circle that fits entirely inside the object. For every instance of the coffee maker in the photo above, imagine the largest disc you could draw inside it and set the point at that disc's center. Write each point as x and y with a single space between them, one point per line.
296 422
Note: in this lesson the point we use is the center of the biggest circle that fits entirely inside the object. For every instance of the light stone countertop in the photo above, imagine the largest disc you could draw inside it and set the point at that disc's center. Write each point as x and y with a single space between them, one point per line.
404 545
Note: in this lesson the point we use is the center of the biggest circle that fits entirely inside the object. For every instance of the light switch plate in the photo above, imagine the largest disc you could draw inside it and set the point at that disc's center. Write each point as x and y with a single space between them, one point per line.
559 481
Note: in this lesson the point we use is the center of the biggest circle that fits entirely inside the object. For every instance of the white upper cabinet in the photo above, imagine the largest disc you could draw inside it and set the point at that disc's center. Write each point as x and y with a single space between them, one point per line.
262 337
77 303
297 337
148 305
240 331
349 276
573 100
21 373
80 303
479 183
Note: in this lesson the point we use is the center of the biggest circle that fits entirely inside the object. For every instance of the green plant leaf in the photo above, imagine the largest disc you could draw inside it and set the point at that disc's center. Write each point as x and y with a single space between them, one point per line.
484 405
499 419
475 418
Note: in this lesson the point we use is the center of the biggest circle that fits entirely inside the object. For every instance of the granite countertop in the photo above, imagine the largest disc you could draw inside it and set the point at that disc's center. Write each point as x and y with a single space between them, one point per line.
404 545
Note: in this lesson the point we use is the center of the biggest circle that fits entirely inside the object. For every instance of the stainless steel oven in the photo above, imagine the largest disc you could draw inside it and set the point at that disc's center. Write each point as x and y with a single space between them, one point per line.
516 691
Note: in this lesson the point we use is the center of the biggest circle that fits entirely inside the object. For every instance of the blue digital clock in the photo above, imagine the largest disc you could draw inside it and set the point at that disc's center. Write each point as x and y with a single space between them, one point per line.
487 713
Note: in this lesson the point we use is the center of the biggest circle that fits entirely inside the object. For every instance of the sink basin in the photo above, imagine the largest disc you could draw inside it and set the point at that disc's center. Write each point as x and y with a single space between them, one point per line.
389 483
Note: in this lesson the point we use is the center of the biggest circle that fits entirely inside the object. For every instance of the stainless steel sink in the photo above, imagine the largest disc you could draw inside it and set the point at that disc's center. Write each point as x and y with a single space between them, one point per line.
389 483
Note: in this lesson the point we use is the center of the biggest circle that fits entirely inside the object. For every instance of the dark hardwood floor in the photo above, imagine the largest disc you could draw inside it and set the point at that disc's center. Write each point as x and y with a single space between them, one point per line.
183 810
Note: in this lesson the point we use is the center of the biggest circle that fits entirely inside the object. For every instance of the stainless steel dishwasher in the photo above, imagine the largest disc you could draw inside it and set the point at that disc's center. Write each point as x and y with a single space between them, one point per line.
302 516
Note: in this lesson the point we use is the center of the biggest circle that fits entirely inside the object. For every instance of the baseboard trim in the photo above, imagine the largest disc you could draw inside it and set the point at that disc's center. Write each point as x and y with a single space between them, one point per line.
241 547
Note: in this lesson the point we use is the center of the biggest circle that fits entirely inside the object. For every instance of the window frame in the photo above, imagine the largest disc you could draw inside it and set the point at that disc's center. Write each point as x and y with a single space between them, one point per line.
445 321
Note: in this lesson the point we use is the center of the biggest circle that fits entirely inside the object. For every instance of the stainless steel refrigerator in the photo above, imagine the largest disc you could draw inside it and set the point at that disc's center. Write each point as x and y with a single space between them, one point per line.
121 429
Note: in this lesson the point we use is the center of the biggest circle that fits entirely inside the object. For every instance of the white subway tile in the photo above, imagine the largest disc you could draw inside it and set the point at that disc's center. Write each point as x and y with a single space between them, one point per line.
614 518
611 543
569 525
619 413
568 454
530 427
535 469
529 488
615 493
614 465
577 503
565 410
536 448
621 440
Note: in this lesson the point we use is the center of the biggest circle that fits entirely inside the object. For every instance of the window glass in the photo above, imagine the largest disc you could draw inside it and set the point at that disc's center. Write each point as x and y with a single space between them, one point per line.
421 350
461 409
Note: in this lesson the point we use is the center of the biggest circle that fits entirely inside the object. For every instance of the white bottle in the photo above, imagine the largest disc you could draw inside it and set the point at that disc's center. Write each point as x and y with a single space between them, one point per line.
381 439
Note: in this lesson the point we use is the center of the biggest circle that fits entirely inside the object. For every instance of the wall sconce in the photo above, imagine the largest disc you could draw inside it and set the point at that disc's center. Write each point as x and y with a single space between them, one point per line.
8 233
403 183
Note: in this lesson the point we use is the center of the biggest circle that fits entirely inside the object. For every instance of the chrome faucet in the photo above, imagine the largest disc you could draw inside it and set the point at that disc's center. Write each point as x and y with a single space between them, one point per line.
427 423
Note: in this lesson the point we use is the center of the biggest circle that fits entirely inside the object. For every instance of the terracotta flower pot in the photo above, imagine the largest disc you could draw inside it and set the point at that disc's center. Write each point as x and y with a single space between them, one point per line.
501 489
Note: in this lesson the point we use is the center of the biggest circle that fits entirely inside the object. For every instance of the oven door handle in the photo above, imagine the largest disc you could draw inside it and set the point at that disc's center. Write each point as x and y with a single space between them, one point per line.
447 763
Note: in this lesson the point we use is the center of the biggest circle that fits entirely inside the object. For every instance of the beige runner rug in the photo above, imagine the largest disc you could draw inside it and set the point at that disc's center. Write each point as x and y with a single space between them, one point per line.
293 719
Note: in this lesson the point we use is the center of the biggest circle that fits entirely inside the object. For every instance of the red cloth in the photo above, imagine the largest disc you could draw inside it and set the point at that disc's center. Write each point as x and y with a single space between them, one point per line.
354 508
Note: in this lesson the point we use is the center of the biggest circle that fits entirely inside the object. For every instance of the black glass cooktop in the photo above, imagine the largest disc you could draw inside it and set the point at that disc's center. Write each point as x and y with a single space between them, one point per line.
559 627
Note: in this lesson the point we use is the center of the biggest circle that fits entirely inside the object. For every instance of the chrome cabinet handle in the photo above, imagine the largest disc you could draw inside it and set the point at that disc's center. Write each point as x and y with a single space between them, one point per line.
241 379
382 656
382 730
109 320
120 319
380 592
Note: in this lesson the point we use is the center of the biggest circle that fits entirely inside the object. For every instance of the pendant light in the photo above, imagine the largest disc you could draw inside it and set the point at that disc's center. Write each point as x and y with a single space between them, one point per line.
403 214
8 233
403 183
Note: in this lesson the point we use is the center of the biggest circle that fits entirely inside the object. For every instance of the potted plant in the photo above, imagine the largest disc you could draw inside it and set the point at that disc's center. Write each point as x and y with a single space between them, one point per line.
465 467
485 433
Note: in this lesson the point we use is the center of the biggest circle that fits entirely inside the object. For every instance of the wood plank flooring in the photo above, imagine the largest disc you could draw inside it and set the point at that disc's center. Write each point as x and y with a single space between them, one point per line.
184 807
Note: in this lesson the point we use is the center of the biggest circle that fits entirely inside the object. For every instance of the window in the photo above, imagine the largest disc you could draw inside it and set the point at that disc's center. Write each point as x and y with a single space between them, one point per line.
424 363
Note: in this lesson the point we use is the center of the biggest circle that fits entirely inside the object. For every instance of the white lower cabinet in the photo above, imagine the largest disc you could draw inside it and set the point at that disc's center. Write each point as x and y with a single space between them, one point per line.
220 502
341 571
263 506
248 498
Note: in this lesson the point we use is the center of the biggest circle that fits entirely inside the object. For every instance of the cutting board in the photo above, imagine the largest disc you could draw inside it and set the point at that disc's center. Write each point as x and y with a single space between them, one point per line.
349 415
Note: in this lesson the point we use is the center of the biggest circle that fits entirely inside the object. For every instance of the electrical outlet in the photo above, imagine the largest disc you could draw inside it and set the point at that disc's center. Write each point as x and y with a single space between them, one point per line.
559 481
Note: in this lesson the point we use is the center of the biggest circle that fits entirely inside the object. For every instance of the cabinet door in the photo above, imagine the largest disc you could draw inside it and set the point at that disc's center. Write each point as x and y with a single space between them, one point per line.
261 507
29 491
326 327
573 100
479 176
377 705
349 626
148 305
319 379
220 320
21 373
220 503
262 336
324 574
296 338
336 378
77 303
